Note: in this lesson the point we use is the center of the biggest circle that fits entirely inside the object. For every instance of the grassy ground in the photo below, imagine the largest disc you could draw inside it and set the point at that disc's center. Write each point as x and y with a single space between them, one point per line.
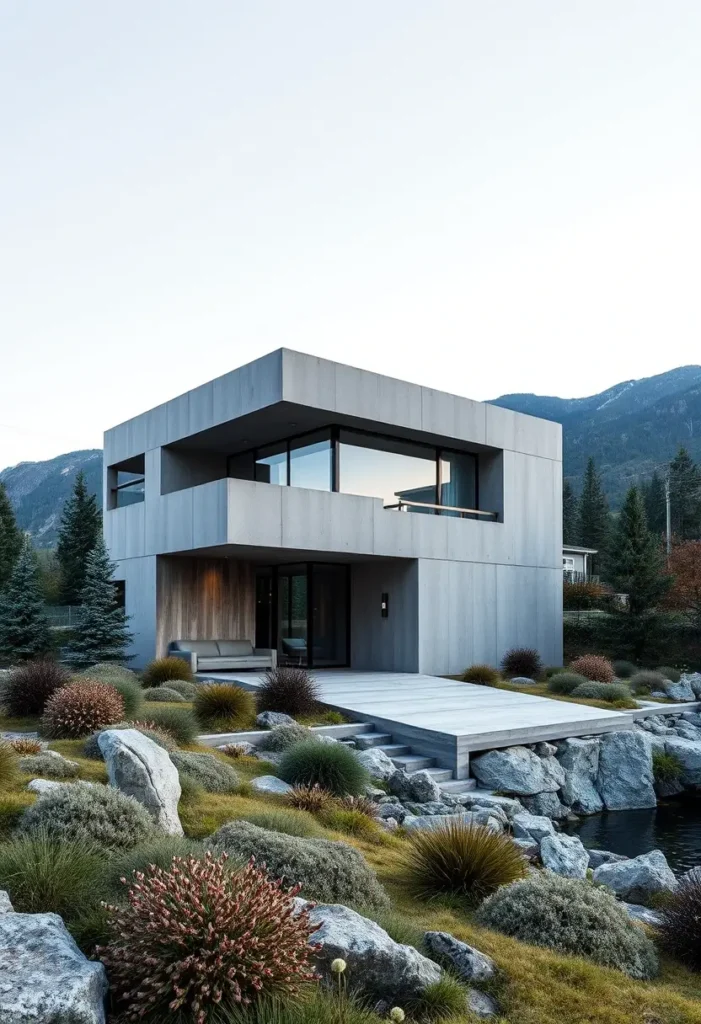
540 689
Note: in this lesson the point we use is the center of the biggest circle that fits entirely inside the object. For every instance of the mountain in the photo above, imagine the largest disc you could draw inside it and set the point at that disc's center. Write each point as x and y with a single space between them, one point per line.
38 490
631 429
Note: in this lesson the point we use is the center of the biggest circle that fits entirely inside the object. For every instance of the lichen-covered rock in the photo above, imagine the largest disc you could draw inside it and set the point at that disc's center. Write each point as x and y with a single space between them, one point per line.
44 977
481 1005
599 857
638 879
625 780
414 822
379 764
270 719
140 768
694 681
387 812
688 752
270 784
431 807
643 914
564 855
580 760
681 692
476 798
546 805
518 770
466 961
532 826
420 787
43 785
5 903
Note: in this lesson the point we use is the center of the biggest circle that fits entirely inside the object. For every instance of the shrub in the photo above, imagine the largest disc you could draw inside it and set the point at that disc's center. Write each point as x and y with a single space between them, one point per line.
583 595
446 997
609 692
25 745
157 851
666 767
163 694
162 670
44 875
186 690
565 682
221 707
27 688
646 681
329 765
190 791
358 803
353 822
484 675
594 667
89 814
624 669
47 764
235 751
197 937
552 670
180 723
207 771
309 798
131 693
92 750
667 672
521 661
80 708
9 765
464 860
291 823
328 872
571 916
284 736
680 930
110 672
290 690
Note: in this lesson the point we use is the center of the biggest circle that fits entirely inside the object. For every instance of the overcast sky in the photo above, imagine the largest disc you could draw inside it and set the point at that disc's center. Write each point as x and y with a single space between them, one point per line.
483 197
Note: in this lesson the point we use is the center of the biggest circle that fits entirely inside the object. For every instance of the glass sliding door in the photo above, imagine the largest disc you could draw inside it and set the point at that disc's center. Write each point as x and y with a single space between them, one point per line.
329 615
292 615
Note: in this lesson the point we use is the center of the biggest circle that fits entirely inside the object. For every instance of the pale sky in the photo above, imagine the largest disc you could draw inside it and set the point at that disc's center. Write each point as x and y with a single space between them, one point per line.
482 197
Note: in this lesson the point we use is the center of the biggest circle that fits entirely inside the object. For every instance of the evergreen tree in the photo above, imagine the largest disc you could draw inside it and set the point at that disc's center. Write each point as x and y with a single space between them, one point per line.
24 628
570 515
685 496
80 527
594 518
101 633
10 538
655 504
636 564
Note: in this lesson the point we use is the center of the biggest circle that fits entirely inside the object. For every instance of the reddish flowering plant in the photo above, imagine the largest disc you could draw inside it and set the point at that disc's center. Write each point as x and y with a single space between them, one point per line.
80 708
200 935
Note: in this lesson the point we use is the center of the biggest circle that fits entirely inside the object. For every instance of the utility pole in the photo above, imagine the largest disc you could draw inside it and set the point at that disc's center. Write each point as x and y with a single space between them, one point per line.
668 509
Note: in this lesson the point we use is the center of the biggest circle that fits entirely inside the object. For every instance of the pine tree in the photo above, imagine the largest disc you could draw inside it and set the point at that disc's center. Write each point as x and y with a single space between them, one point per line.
10 538
636 564
570 515
685 496
655 505
101 633
594 518
80 527
24 628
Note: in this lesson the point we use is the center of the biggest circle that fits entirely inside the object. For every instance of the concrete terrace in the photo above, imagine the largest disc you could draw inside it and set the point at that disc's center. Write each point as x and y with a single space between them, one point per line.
448 720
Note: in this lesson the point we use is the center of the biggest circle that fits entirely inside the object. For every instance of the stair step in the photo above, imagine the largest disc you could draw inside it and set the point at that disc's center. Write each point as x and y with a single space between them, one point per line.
412 762
456 786
372 739
440 774
394 749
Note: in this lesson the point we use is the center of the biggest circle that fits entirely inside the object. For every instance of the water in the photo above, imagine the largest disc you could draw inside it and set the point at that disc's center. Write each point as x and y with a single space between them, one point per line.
673 827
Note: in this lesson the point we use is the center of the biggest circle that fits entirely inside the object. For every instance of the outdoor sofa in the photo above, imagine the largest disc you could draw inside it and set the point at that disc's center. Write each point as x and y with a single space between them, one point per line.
222 655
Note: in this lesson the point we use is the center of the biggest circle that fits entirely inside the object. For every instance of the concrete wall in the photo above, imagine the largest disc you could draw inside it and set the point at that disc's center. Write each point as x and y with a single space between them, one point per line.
390 644
139 575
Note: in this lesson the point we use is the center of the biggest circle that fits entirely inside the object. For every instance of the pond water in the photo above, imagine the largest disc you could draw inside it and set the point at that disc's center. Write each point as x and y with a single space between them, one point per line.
673 827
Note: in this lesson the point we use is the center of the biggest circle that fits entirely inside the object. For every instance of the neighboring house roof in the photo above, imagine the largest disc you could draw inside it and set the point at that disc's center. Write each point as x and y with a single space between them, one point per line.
579 551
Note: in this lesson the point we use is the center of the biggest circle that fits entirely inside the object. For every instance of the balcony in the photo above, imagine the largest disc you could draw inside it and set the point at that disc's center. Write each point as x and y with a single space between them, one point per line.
572 576
454 511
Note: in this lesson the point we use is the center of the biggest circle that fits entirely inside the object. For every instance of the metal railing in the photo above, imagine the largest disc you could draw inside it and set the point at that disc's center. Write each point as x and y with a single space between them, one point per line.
62 616
406 506
572 576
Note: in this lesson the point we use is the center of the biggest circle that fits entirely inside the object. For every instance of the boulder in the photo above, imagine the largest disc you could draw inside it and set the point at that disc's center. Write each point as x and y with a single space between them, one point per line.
694 681
481 1005
522 681
580 760
44 977
466 961
5 903
681 691
687 732
528 847
270 784
379 764
564 855
414 822
638 879
43 785
599 857
432 807
532 826
140 768
624 779
478 798
383 968
518 770
269 719
547 805
387 812
420 787
692 718
545 749
688 753
643 914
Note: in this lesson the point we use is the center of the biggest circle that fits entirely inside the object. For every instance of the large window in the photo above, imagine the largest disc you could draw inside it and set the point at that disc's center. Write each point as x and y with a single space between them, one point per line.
388 469
458 481
311 461
127 481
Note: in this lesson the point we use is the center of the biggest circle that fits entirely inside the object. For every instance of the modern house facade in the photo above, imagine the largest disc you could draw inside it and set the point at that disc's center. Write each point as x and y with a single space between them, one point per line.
339 517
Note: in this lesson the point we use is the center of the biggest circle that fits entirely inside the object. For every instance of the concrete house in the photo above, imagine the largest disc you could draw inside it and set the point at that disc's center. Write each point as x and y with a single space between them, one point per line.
338 517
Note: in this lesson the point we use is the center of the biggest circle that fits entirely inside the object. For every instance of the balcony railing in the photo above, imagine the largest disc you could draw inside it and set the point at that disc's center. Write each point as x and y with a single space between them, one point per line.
462 513
572 576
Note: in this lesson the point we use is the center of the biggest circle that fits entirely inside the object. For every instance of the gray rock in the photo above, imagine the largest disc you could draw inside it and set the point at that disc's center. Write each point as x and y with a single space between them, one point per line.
681 691
599 857
688 732
414 822
580 760
658 693
564 855
50 763
432 807
417 786
270 784
44 977
477 798
625 779
522 681
688 753
5 903
518 770
466 961
694 681
532 826
269 719
379 764
544 749
374 793
643 914
546 805
389 798
43 785
481 1005
140 768
528 847
691 718
383 968
322 738
387 812
638 879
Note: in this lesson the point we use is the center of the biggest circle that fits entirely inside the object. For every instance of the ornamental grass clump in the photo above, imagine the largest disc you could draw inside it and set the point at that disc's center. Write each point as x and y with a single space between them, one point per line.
221 707
288 821
28 687
196 938
668 672
680 930
565 682
213 775
464 860
331 766
80 708
110 672
624 669
162 695
646 681
9 765
180 723
162 670
521 661
666 768
282 737
46 876
611 693
353 823
290 690
309 798
594 667
571 916
483 675
25 745
186 690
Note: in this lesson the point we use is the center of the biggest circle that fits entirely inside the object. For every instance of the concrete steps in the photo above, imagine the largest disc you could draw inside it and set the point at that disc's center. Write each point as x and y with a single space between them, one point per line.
402 756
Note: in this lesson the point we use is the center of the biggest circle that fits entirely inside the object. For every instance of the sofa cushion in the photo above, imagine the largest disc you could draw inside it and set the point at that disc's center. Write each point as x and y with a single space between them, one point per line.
235 648
202 648
224 664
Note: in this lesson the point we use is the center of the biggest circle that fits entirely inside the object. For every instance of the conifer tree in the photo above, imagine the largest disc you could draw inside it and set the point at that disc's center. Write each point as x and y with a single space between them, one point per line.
685 496
24 628
570 515
10 538
81 523
594 518
636 565
101 633
655 505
